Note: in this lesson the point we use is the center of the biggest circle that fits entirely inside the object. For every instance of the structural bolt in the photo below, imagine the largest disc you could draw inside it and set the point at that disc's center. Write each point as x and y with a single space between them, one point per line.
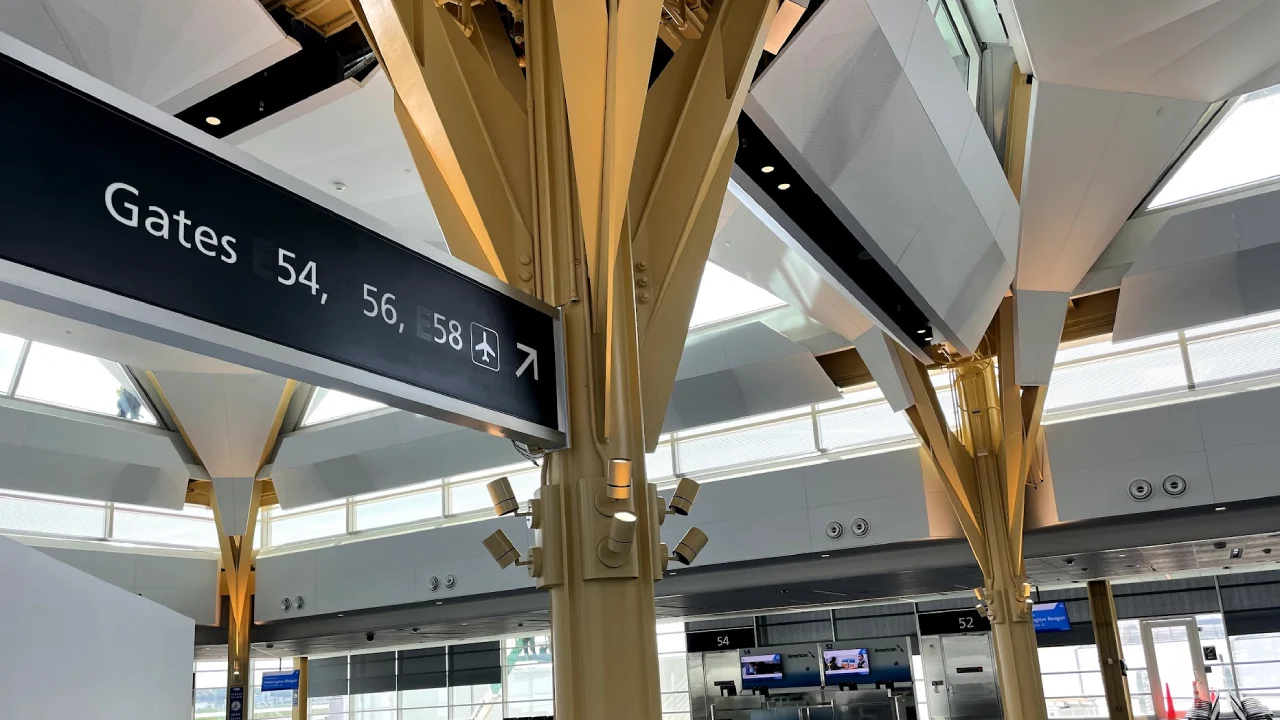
525 259
642 280
644 297
642 266
526 275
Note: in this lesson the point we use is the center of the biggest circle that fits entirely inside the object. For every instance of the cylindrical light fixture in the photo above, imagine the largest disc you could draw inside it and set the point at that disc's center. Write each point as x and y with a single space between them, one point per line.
501 549
619 480
622 532
686 494
690 545
503 497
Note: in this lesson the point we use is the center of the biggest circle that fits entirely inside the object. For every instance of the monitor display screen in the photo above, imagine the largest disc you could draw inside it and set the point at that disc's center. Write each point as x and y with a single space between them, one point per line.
838 663
1050 617
762 667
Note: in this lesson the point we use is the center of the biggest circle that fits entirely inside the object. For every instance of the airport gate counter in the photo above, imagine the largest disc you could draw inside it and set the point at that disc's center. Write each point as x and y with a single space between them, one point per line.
848 680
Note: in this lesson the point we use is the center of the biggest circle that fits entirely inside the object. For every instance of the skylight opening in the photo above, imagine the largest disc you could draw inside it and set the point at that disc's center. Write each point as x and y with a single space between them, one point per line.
329 405
57 376
1243 149
724 296
10 354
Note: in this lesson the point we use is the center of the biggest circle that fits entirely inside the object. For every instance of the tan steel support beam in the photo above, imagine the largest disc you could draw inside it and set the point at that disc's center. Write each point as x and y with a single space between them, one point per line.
301 664
1106 635
984 465
237 571
237 562
599 194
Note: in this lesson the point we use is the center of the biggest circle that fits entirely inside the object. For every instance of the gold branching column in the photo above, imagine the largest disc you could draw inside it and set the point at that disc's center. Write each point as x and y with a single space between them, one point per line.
553 163
984 465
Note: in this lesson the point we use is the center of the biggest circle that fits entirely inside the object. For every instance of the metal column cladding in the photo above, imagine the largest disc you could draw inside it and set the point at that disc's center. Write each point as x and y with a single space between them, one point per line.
115 196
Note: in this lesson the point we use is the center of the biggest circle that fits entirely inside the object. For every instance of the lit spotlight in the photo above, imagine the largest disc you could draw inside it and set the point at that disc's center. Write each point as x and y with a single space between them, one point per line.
766 169
784 186
215 121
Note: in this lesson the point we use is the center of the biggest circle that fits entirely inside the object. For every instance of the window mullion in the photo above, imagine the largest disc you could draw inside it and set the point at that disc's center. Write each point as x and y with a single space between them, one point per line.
18 367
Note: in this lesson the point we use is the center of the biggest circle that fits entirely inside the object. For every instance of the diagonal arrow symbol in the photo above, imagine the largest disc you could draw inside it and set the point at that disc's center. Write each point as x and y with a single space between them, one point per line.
531 358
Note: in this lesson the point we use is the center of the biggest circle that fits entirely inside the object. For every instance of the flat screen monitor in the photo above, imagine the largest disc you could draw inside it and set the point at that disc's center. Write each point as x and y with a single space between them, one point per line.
762 667
842 663
1050 617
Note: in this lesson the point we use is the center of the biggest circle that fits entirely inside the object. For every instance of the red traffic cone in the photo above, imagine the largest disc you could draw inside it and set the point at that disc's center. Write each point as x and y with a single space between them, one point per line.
1169 712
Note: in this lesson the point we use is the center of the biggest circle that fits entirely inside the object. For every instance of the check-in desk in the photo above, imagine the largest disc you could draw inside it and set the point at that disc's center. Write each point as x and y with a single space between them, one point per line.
816 705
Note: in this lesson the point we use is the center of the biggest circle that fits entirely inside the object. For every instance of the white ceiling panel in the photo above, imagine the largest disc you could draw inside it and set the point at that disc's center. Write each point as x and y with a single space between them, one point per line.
170 54
353 141
1092 156
1201 50
753 246
100 342
226 417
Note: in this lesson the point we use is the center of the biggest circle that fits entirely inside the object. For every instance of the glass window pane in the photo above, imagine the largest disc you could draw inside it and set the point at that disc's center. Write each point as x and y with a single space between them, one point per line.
373 701
1097 347
1128 376
1077 707
424 698
540 708
435 713
1252 648
658 463
723 295
1062 685
44 517
329 405
768 442
862 426
1058 659
469 498
951 37
675 702
165 529
524 484
1269 318
1242 149
291 529
531 681
673 673
10 349
1258 676
81 382
671 643
1235 356
398 510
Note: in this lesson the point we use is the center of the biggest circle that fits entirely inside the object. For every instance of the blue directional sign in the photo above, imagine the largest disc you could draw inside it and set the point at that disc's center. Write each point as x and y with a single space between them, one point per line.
150 227
1050 617
235 703
287 680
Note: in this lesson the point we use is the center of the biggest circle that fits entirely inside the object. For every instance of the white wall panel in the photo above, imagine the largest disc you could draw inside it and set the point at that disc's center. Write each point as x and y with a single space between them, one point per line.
50 451
1103 490
73 646
896 518
1244 471
389 570
187 585
1125 437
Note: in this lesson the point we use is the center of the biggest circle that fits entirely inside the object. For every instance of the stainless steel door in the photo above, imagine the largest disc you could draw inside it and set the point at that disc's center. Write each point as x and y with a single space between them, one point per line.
969 674
935 684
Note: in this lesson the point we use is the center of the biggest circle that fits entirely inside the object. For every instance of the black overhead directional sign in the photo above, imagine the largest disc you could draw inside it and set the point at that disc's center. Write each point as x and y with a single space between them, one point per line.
115 213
